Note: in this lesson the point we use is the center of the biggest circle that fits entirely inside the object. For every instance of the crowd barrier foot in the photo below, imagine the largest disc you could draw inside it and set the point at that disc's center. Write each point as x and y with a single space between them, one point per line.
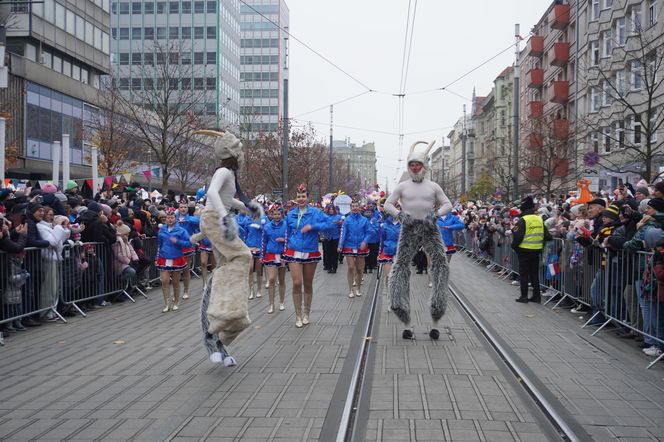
659 358
556 292
590 320
193 272
60 317
78 309
141 292
124 292
601 327
2 340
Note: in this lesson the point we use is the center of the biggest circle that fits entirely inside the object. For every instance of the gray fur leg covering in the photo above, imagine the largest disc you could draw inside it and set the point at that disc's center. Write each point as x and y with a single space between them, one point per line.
209 341
399 281
440 270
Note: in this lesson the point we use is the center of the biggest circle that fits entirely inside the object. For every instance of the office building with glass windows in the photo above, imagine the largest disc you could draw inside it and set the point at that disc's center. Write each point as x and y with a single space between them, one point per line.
264 65
57 52
201 37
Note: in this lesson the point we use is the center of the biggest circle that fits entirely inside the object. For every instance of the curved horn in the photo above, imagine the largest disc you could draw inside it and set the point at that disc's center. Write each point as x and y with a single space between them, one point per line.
429 147
412 148
208 132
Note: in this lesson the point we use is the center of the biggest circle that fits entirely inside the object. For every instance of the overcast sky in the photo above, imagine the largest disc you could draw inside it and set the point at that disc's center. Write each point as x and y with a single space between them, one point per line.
366 39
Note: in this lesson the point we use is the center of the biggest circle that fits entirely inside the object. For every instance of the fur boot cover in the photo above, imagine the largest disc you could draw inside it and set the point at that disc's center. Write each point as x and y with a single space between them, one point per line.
415 234
228 310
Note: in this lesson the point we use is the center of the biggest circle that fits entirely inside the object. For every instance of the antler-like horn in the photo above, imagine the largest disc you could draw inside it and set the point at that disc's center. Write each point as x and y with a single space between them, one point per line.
208 132
412 148
429 147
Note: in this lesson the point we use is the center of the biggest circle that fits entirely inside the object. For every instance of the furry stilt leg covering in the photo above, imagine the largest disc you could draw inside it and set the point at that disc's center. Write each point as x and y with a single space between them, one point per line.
215 348
399 280
227 309
440 273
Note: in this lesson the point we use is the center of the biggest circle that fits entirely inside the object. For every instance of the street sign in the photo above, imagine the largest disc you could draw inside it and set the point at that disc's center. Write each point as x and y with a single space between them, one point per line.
277 192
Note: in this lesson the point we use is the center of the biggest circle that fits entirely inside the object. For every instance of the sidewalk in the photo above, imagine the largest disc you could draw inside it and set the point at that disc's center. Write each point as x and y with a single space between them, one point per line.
601 380
132 372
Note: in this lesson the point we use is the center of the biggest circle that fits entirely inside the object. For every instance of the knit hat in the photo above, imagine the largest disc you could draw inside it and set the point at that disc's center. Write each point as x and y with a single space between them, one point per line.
153 211
33 207
659 186
598 201
657 204
71 184
80 210
611 212
527 204
122 229
643 191
106 209
123 212
643 204
49 188
653 238
421 156
94 207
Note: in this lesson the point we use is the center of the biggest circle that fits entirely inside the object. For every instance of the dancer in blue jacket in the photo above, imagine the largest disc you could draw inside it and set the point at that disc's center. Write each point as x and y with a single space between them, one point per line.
353 244
254 242
274 239
191 225
447 225
170 260
389 239
303 223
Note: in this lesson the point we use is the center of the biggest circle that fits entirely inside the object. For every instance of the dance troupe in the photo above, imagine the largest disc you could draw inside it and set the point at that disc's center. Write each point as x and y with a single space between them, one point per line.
416 218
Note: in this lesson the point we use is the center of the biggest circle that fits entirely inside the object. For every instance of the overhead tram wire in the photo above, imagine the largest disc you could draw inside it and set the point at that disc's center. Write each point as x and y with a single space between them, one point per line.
327 106
405 63
378 131
308 47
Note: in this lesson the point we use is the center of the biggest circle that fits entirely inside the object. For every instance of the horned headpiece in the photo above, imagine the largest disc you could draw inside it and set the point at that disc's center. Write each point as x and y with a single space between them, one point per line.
421 156
226 144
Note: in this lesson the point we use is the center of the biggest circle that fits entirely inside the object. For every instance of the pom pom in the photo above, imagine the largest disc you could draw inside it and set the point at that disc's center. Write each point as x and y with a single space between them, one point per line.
229 361
216 357
263 221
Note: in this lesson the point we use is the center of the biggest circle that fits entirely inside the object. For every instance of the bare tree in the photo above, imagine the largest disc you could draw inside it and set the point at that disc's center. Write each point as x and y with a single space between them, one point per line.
170 106
192 165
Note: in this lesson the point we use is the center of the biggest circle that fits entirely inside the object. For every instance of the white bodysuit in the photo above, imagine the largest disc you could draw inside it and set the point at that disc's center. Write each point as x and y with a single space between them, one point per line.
418 199
221 193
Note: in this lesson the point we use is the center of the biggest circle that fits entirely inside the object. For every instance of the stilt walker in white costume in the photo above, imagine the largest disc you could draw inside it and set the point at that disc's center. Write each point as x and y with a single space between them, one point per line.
421 201
224 309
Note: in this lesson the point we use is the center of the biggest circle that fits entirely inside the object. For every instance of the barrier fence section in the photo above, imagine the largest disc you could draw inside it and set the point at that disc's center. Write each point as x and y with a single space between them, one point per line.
619 287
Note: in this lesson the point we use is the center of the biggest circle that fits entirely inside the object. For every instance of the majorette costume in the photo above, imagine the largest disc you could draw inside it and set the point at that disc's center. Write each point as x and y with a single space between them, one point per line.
355 231
254 236
389 238
224 306
303 247
170 256
273 250
191 225
418 196
452 222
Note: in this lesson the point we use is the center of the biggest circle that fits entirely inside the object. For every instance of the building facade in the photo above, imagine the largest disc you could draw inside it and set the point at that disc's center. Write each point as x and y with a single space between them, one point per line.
360 160
58 52
199 40
264 65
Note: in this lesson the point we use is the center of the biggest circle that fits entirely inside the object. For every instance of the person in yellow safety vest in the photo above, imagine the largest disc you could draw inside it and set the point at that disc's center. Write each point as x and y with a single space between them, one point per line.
528 238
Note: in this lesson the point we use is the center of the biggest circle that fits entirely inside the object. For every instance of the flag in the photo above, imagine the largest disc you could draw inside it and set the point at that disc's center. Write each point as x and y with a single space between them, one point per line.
117 178
147 174
108 182
552 268
156 171
90 183
127 177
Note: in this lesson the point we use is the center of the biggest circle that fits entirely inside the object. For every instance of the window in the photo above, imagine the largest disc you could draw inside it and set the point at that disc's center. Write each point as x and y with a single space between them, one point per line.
198 57
148 7
105 43
594 99
124 58
651 68
634 13
174 33
80 28
148 33
199 32
162 32
174 7
594 9
607 4
607 46
136 33
98 39
635 127
619 30
84 76
186 33
49 8
594 53
136 84
136 58
211 83
71 22
185 58
124 84
635 68
606 139
620 82
199 7
124 7
136 7
606 93
59 16
186 7
620 133
652 125
652 12
211 32
89 33
161 7
124 34
594 141
198 84
211 7
211 58
185 83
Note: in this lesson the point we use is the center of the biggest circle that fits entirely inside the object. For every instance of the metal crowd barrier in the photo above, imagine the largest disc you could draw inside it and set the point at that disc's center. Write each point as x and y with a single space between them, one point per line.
619 287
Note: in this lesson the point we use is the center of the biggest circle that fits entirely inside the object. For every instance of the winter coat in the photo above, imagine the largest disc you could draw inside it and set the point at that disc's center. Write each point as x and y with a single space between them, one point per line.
305 242
243 222
56 237
389 237
13 243
255 233
452 222
17 277
271 232
167 249
334 232
124 255
189 223
95 230
356 229
374 229
636 243
34 238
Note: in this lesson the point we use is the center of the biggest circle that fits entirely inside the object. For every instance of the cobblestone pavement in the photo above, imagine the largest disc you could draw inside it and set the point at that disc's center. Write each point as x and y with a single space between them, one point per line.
131 372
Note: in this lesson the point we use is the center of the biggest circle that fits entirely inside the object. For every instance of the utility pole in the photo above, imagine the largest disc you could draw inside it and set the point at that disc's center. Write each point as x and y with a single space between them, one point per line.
284 148
463 153
330 187
515 106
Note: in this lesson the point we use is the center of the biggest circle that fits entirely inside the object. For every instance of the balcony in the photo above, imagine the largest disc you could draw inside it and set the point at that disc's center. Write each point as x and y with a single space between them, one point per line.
535 140
536 46
560 54
559 17
561 129
560 92
536 109
535 78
